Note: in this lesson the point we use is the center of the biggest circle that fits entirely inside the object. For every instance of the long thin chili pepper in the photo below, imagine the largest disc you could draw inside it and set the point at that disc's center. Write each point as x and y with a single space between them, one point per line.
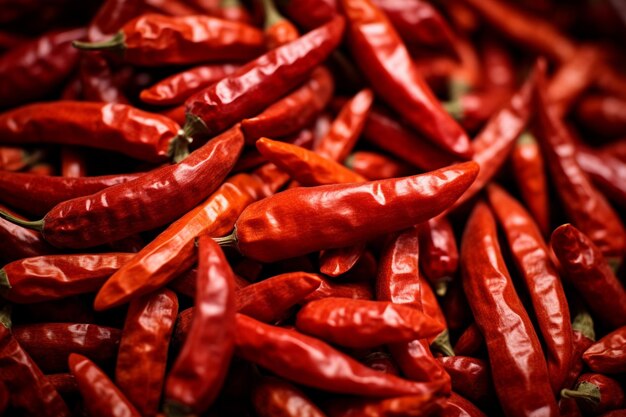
385 61
100 396
200 369
596 393
273 396
375 166
607 354
296 357
266 230
113 213
439 255
17 242
410 405
532 258
518 368
602 114
470 377
142 355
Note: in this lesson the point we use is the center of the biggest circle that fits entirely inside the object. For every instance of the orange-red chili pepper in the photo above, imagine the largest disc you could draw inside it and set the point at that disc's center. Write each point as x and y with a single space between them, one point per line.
439 256
603 114
607 354
17 242
470 377
274 396
328 288
278 30
375 166
596 393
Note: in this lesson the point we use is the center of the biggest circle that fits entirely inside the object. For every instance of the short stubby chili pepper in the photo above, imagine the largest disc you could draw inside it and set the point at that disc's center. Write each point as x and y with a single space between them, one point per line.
274 396
364 324
458 406
17 242
608 355
383 58
439 255
470 377
116 127
100 396
309 361
518 368
588 271
145 203
50 344
411 405
155 40
266 230
197 376
144 343
278 30
35 68
51 277
375 166
596 394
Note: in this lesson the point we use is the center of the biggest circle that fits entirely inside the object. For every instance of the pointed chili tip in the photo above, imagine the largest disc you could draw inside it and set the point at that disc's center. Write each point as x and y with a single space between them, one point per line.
5 316
116 43
34 225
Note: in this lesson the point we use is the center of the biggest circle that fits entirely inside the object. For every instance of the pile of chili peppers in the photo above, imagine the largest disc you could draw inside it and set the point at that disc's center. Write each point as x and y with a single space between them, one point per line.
342 208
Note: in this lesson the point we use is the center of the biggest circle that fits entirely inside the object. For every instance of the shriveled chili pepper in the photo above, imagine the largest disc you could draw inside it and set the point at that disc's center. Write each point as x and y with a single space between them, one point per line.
518 368
142 355
607 354
265 230
596 393
14 159
385 61
458 406
275 397
100 396
588 271
604 115
607 172
50 344
64 383
470 341
112 213
37 67
328 288
199 371
17 242
470 377
439 256
375 166
278 30
296 357
187 40
411 405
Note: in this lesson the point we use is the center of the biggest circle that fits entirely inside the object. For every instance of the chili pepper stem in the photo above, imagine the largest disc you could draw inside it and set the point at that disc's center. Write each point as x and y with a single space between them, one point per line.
454 109
116 43
272 16
179 146
585 391
5 316
227 241
442 344
34 225
583 323
175 409
4 280
457 89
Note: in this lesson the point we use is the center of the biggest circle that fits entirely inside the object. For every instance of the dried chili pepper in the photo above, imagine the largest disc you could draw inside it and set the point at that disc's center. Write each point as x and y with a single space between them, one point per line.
142 356
336 262
375 166
265 230
470 341
439 256
98 83
603 114
607 172
596 394
410 405
518 368
327 288
607 354
278 30
100 396
458 406
273 396
72 163
470 377
200 369
17 242
587 270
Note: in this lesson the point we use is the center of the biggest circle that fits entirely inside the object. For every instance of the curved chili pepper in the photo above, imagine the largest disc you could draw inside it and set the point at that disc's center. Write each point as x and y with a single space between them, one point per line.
458 406
414 405
115 127
175 89
596 394
606 171
37 67
36 194
199 371
64 383
187 40
439 254
294 111
17 242
518 368
50 344
375 166
470 377
607 354
273 396
587 270
112 213
386 63
470 341
100 396
14 159
278 30
328 288
336 262
603 114
142 355
296 357
98 82
265 231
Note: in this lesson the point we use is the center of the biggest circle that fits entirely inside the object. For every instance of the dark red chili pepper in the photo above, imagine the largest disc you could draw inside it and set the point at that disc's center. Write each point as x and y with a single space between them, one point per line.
200 369
519 371
411 405
604 115
470 341
273 397
100 396
381 361
471 377
596 394
458 406
607 172
15 159
607 354
17 242
72 163
142 355
64 383
439 256
375 166
98 82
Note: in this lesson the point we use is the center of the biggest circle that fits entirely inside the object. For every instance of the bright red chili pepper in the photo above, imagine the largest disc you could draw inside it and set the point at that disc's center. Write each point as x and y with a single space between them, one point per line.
596 394
336 262
328 288
411 405
273 396
375 166
519 371
439 254
200 369
471 377
604 115
607 354
17 242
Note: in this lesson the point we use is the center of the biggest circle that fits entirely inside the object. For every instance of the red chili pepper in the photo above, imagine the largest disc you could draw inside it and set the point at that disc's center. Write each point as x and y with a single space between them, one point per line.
604 115
100 396
278 30
375 166
471 377
607 172
296 357
413 405
15 159
111 16
439 254
336 262
327 288
72 163
17 242
273 396
596 393
35 68
607 354
518 368
310 13
200 369
98 82
470 341
385 61
458 406
381 361
142 356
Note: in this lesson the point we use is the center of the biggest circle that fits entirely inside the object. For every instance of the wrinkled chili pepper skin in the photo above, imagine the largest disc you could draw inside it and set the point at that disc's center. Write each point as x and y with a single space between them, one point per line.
50 344
35 68
608 355
458 406
297 357
17 242
265 231
274 397
142 355
603 114
588 271
439 253
115 127
125 209
596 394
262 81
36 194
100 396
200 369
470 377
374 166
385 61
174 90
518 368
413 405
51 277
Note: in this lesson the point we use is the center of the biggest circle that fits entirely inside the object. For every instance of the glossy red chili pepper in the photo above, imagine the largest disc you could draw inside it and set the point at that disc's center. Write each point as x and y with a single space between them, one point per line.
115 127
470 377
375 166
604 115
336 262
272 220
439 254
278 30
142 355
470 341
100 396
596 394
412 405
272 397
458 406
328 288
518 368
295 356
64 383
98 82
35 68
200 369
607 354
607 172
17 242
385 61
